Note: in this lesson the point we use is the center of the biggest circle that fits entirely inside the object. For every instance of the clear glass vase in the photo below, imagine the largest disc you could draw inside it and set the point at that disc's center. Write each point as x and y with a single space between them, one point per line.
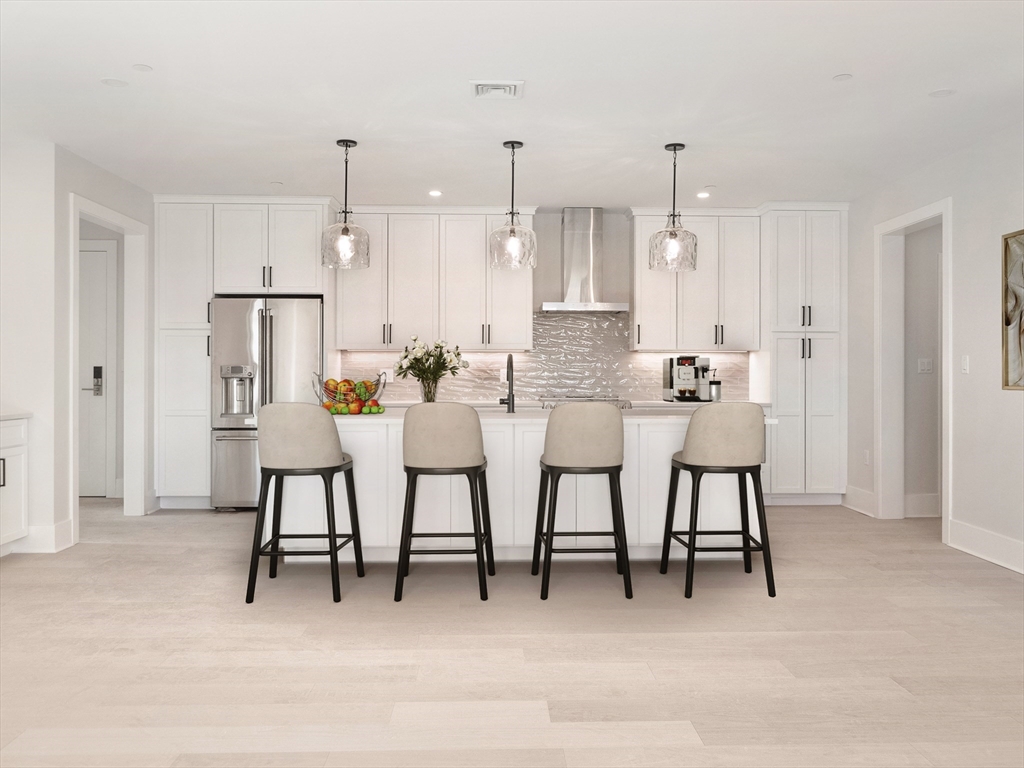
428 389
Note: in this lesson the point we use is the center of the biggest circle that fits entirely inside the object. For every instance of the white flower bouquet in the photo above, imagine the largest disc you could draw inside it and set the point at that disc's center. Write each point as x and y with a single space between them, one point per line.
428 365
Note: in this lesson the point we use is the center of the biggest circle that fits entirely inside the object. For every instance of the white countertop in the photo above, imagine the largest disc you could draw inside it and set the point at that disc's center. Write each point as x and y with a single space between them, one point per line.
13 415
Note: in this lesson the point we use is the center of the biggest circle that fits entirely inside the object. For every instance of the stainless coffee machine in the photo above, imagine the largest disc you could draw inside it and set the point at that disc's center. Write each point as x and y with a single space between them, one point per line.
685 378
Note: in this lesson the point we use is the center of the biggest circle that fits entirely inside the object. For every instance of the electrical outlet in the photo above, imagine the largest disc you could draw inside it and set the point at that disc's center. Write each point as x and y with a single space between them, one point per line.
503 374
965 364
924 365
867 458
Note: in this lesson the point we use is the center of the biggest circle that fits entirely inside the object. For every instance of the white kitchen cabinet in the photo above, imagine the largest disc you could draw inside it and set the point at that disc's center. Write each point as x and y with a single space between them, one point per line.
240 248
433 499
293 259
13 480
361 305
699 289
714 307
739 283
509 300
806 259
262 248
413 253
184 280
806 394
183 455
499 448
463 284
655 318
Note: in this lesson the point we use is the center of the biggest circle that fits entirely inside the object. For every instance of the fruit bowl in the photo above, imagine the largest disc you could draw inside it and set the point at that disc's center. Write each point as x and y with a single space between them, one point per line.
348 391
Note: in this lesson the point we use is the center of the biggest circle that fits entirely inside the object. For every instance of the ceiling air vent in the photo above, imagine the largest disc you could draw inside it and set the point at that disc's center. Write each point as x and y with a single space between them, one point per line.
497 89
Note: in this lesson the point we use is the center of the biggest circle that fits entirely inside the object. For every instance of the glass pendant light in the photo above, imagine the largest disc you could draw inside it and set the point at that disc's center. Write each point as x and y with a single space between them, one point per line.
345 245
673 249
512 246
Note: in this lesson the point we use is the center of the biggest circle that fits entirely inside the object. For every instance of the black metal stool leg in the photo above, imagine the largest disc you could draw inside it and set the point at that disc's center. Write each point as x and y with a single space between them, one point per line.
744 520
763 522
403 549
478 539
485 512
412 513
620 538
353 514
540 521
275 523
670 514
550 540
257 537
691 542
615 524
332 535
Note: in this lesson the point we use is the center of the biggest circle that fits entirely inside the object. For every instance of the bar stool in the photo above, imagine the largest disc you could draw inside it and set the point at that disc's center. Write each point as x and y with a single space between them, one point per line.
581 439
301 439
445 439
723 438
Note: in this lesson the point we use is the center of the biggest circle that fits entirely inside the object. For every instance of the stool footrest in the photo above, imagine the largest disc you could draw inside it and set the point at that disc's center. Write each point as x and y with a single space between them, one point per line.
544 536
443 535
442 551
586 550
345 539
751 544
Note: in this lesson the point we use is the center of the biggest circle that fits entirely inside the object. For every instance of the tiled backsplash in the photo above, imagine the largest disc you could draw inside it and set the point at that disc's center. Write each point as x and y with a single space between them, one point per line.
573 354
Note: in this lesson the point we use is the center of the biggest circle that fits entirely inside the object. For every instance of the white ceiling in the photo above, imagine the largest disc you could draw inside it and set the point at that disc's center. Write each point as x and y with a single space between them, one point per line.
244 94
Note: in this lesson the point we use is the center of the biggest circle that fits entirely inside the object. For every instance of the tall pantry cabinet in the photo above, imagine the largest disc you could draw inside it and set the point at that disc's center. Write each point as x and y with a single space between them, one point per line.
806 252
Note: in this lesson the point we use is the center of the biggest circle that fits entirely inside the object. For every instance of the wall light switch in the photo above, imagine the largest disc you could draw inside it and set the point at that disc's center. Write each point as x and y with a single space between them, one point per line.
965 364
924 365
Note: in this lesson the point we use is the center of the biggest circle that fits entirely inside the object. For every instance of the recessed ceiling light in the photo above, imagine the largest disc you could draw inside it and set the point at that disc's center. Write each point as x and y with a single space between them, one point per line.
113 82
142 67
435 193
844 76
497 89
702 195
942 93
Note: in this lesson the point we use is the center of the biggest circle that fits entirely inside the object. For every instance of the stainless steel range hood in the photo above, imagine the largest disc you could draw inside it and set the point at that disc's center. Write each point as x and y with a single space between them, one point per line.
582 251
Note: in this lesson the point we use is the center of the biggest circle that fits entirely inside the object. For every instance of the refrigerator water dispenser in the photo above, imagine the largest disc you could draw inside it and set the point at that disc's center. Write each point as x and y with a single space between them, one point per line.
237 390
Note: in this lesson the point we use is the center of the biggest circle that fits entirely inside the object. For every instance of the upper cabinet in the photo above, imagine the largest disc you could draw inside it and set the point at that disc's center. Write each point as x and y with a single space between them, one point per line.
806 257
260 248
429 276
184 282
716 306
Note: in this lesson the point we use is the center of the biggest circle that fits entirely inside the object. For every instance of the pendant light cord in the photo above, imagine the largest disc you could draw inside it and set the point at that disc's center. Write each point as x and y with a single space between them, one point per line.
345 209
512 202
674 215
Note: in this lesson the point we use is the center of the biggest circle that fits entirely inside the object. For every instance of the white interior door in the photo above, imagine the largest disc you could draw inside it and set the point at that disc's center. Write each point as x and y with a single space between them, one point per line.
97 355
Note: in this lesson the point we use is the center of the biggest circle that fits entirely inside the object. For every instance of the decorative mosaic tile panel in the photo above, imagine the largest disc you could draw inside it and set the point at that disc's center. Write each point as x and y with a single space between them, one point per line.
574 354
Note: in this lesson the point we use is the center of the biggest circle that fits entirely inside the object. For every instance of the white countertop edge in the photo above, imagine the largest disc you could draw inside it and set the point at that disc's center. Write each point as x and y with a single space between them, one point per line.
15 415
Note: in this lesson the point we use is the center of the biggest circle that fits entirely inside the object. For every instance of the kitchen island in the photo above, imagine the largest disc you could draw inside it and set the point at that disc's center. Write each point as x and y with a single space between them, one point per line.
513 444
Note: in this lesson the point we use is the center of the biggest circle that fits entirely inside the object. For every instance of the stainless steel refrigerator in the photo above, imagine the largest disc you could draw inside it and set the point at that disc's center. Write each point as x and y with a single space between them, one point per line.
264 350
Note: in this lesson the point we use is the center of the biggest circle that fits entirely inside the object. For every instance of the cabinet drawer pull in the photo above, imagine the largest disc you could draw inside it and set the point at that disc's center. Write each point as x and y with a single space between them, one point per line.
488 333
638 333
716 335
208 346
721 334
809 348
264 277
3 472
271 277
383 333
802 355
390 338
209 311
482 337
808 315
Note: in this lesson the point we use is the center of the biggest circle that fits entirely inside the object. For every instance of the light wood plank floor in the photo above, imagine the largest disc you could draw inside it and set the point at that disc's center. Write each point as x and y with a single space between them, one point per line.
883 648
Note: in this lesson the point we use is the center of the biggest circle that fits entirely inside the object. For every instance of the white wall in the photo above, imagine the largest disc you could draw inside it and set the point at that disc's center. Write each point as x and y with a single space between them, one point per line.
78 176
27 313
89 231
986 184
922 340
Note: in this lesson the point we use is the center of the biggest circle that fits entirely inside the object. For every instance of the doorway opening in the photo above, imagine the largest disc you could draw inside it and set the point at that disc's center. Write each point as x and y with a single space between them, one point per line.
100 361
134 381
913 364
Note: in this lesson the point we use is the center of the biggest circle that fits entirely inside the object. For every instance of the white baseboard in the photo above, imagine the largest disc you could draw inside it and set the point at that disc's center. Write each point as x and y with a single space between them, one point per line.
922 505
994 547
861 501
6 549
183 502
803 499
47 538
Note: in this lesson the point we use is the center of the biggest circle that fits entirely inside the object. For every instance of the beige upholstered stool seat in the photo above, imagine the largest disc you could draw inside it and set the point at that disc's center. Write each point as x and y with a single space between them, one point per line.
445 439
721 438
581 439
301 439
